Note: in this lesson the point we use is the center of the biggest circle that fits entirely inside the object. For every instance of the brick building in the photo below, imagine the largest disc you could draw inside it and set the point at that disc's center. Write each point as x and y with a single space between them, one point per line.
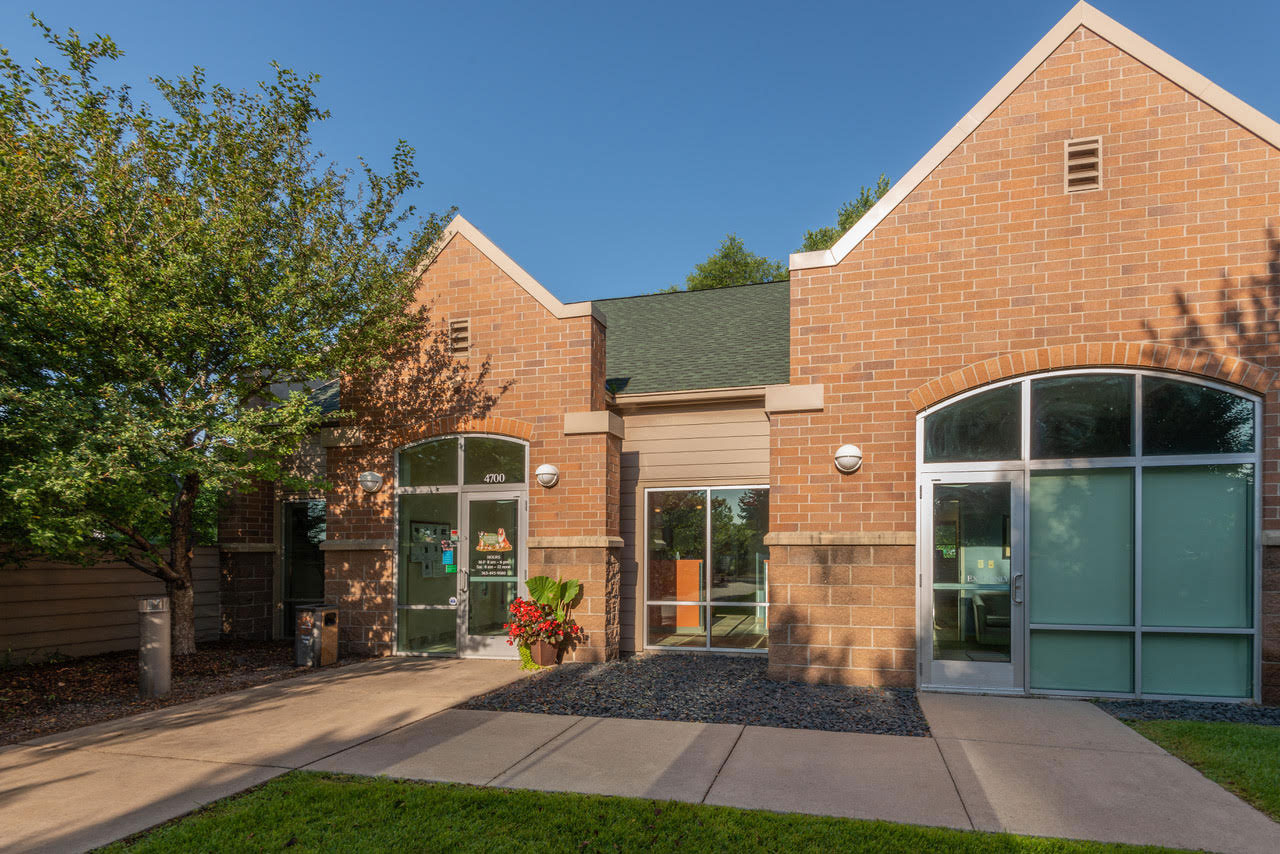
1052 347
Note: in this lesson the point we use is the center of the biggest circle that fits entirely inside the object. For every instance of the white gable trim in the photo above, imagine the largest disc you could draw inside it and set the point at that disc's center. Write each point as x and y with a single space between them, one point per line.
1081 15
459 225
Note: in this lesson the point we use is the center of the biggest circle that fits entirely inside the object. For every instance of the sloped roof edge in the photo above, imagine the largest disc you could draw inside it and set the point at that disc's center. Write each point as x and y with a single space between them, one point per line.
459 225
1081 15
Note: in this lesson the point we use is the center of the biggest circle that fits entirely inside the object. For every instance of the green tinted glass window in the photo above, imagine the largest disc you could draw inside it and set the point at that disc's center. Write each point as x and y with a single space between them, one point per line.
1085 416
1082 661
1198 665
489 460
1197 554
430 464
1081 541
986 426
428 566
1184 418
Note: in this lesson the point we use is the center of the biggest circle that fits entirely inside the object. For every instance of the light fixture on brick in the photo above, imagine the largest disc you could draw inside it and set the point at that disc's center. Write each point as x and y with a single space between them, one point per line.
848 458
370 481
548 475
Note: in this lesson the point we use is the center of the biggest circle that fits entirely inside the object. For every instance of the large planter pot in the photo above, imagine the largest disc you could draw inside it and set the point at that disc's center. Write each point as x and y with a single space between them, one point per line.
543 654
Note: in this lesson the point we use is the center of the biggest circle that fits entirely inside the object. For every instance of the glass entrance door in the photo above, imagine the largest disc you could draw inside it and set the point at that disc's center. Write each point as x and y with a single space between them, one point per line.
493 570
427 610
975 580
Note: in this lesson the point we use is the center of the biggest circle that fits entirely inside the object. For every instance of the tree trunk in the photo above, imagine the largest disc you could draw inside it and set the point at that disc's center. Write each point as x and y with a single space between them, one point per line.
182 604
181 590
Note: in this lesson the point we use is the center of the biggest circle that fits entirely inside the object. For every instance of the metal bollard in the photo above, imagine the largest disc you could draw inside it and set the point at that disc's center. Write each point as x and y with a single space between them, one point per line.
153 646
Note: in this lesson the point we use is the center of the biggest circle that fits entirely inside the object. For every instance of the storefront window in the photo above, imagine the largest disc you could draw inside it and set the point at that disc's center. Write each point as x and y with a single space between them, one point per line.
706 560
1140 528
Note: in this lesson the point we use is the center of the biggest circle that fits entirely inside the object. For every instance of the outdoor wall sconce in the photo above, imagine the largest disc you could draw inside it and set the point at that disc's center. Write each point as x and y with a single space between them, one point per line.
548 475
848 458
370 481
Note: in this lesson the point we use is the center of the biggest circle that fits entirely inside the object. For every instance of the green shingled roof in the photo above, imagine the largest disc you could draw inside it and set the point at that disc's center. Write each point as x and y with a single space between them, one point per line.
715 338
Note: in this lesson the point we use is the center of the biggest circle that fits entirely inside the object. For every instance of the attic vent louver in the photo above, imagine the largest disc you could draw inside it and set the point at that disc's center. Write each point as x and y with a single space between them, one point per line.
1083 166
460 335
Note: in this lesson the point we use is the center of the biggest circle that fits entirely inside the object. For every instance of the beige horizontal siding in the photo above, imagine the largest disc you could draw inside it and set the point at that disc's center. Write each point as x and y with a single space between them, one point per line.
713 445
48 607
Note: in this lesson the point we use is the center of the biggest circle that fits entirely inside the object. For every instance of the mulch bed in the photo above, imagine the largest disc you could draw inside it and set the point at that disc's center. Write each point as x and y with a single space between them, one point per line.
1187 710
40 699
706 689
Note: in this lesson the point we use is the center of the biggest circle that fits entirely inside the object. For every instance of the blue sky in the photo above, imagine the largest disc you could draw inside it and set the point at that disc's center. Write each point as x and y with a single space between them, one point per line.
609 147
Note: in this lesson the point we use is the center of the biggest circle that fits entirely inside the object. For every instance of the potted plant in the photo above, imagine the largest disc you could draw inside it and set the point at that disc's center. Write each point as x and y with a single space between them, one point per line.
542 626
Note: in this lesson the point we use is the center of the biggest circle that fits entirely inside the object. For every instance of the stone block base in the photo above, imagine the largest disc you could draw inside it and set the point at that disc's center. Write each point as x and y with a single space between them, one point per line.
842 614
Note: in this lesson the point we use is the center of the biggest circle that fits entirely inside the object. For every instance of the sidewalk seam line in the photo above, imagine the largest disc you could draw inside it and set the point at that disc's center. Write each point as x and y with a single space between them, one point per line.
1042 744
507 770
723 762
956 786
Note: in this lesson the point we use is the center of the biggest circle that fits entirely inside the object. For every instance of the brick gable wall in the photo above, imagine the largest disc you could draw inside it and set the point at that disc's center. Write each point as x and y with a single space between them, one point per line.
990 257
558 367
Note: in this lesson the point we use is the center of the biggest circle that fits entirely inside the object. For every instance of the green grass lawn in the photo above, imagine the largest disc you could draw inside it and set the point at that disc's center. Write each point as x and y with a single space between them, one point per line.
1244 758
322 812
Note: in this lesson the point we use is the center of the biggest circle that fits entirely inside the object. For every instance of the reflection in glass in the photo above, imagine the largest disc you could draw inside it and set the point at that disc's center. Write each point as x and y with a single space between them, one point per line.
302 560
677 545
426 523
1184 418
972 618
738 627
430 464
739 557
677 625
1197 546
986 426
428 630
489 460
1083 416
1081 541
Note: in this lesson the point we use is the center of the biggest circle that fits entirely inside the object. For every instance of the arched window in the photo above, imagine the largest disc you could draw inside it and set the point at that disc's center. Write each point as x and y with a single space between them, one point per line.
1134 497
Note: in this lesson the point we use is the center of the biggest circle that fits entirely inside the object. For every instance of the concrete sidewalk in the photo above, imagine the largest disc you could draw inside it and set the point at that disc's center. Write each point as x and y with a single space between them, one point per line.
90 786
1042 767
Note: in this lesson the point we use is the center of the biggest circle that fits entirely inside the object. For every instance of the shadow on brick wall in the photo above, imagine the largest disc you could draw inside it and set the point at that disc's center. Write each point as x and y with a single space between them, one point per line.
1245 323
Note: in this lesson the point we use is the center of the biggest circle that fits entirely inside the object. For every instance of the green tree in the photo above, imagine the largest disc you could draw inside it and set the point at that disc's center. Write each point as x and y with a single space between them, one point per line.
168 275
849 213
733 264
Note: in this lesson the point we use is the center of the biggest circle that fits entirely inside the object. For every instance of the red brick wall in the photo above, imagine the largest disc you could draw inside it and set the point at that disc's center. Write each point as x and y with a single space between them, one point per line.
990 256
557 366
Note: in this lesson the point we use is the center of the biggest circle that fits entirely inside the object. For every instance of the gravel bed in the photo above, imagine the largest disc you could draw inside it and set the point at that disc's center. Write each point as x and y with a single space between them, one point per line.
1187 710
719 689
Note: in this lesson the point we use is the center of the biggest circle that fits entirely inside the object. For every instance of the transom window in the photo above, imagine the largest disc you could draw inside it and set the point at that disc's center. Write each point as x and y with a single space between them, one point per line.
1140 525
707 568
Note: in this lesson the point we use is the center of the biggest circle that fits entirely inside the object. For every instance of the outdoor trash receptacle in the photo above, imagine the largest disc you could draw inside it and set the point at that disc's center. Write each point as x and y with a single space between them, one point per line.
316 642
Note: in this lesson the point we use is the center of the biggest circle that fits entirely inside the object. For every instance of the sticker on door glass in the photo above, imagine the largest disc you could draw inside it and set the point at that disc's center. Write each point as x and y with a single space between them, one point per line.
495 556
453 600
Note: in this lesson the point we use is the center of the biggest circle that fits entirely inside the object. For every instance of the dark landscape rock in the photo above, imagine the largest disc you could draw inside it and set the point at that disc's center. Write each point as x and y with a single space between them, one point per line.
706 689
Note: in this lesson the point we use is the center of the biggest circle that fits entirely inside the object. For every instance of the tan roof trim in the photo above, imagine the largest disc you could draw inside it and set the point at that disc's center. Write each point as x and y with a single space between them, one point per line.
794 398
460 225
1081 15
594 421
692 395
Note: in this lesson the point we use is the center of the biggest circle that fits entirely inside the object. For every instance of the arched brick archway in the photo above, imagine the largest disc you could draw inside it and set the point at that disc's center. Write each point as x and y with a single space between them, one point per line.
489 424
1215 366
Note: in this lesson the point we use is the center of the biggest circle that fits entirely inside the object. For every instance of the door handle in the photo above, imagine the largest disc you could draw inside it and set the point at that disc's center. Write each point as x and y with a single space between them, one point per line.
1017 589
